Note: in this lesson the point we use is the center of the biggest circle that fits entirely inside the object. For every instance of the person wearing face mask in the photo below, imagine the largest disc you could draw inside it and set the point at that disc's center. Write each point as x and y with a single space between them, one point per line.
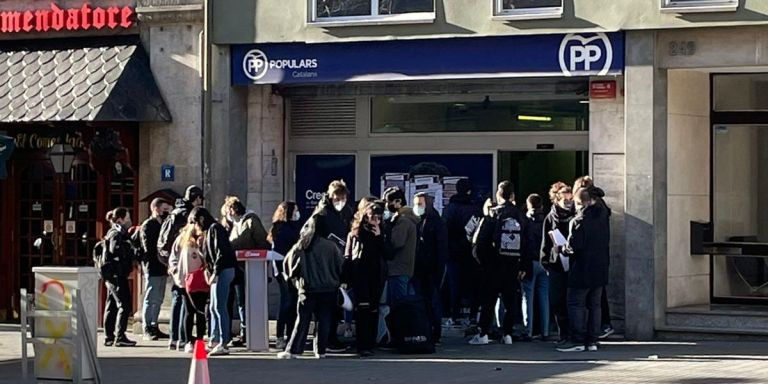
402 232
536 284
431 258
121 255
283 234
333 219
559 218
247 233
155 273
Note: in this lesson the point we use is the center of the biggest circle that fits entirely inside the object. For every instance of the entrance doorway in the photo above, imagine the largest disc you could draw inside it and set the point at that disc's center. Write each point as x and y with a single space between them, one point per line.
536 171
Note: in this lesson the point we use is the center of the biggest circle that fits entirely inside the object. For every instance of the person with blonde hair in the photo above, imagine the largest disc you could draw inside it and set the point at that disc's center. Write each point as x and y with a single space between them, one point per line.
191 275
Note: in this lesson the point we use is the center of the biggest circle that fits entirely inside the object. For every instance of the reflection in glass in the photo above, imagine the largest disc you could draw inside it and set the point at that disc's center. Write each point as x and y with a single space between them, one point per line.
523 4
741 92
740 208
341 8
387 7
492 113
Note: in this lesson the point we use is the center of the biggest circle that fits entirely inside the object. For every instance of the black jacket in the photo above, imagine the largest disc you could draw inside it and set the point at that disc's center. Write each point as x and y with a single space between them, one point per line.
589 247
486 245
365 267
316 269
219 254
460 210
121 252
330 221
149 233
431 246
286 235
533 236
171 228
558 218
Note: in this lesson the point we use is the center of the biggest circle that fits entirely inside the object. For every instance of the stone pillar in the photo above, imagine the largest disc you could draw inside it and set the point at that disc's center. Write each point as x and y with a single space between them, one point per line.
646 187
266 150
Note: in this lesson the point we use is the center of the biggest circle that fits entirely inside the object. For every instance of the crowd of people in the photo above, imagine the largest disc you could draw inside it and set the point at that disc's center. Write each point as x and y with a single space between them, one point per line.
496 271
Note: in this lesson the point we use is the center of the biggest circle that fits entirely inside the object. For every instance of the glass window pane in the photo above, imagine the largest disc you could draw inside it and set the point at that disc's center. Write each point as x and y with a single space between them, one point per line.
523 4
741 92
419 114
387 7
340 8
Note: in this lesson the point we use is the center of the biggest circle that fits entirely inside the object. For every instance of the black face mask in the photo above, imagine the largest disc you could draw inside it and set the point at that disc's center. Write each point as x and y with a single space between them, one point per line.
164 215
391 208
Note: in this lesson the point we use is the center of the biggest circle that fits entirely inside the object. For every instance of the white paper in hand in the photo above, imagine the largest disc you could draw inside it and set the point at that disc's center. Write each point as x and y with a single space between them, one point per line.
560 240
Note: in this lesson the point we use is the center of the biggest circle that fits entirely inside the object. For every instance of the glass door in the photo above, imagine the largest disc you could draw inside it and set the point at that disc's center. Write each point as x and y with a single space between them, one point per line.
37 219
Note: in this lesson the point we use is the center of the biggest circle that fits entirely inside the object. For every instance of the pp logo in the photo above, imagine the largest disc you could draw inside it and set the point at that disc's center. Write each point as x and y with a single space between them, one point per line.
255 64
583 55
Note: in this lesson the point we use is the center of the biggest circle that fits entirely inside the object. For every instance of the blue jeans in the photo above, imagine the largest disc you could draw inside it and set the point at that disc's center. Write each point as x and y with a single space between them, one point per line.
536 287
398 287
240 300
178 313
154 294
220 322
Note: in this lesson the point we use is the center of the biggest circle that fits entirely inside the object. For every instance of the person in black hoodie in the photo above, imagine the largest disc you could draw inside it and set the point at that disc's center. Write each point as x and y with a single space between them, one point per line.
499 246
365 271
155 273
120 255
536 283
283 235
220 261
559 218
588 251
431 257
462 215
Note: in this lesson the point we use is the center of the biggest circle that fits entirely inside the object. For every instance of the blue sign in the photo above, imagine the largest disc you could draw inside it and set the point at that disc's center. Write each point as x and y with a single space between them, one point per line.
315 172
167 173
575 54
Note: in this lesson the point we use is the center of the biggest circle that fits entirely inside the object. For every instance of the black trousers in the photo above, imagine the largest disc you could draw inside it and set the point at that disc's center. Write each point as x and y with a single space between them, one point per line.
195 315
501 280
428 288
584 312
117 308
289 298
322 305
605 318
367 325
558 301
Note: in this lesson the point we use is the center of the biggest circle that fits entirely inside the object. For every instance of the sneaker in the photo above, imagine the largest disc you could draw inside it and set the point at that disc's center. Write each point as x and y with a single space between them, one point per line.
507 340
319 356
150 336
525 338
180 345
189 348
607 331
336 348
160 334
124 342
592 347
365 354
562 342
219 350
571 347
479 340
235 343
173 345
281 344
285 355
109 342
448 323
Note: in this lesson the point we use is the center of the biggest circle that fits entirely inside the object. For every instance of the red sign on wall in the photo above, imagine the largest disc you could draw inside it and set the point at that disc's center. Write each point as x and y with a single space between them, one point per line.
602 89
84 18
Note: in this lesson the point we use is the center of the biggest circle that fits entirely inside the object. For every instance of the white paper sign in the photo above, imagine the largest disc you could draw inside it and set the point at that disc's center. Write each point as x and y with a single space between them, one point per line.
70 226
37 207
48 226
83 208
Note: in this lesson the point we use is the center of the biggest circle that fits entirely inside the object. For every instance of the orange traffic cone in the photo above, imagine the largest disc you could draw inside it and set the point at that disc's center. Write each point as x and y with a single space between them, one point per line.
198 371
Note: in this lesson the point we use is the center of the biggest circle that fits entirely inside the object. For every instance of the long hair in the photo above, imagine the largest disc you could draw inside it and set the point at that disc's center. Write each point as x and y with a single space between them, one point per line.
283 214
361 216
190 235
307 233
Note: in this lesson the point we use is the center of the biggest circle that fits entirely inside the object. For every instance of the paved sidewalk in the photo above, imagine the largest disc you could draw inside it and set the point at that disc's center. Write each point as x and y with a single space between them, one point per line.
455 362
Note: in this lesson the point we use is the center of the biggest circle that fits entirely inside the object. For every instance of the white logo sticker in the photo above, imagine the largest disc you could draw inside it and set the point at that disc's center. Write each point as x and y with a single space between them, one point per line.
255 64
579 54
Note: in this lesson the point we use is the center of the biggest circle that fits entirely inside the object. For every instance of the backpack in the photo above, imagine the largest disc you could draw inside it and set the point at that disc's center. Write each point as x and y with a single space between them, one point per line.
471 227
168 233
102 260
509 235
409 326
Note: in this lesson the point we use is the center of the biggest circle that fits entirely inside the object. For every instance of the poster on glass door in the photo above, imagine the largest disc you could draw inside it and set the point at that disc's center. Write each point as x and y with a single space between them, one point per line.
315 172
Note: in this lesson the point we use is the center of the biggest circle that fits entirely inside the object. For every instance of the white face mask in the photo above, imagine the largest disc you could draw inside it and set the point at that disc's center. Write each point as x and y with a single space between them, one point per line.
296 215
387 215
419 210
339 205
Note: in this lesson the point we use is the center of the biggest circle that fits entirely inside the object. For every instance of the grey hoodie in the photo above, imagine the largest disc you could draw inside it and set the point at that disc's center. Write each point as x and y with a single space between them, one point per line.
403 239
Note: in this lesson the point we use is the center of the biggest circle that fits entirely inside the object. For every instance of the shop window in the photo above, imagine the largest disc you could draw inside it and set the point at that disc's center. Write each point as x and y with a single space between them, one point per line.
740 92
528 9
433 114
681 6
352 12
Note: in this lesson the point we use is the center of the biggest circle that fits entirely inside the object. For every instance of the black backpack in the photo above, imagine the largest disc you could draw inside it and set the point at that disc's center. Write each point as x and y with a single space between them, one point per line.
168 233
410 327
508 237
102 260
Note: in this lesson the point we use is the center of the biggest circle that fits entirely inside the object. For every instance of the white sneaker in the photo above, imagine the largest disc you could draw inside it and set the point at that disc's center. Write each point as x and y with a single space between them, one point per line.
219 350
592 347
319 356
479 340
448 323
507 340
189 348
281 344
285 355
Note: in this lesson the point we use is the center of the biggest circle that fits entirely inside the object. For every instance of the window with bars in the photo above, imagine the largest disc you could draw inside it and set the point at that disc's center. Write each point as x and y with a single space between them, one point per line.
344 12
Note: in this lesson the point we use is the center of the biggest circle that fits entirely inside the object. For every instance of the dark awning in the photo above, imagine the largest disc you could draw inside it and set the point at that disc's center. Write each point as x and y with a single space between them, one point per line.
72 80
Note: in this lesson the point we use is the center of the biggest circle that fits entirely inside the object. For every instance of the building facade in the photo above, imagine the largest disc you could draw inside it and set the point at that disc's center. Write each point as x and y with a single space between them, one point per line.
657 99
98 97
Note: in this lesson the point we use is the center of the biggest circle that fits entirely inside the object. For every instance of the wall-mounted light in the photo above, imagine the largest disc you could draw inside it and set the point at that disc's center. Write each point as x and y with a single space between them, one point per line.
62 156
534 118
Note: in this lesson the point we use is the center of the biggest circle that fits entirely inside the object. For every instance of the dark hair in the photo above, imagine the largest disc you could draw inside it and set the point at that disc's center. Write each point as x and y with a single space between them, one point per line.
116 214
157 203
361 217
192 193
394 193
201 216
463 187
283 214
535 201
238 207
558 188
506 190
429 200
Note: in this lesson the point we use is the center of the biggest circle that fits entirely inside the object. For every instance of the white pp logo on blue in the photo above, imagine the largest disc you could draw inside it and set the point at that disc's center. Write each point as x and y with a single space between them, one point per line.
580 55
255 64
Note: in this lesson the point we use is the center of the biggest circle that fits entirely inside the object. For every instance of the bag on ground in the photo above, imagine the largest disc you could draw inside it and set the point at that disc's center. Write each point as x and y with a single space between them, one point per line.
410 327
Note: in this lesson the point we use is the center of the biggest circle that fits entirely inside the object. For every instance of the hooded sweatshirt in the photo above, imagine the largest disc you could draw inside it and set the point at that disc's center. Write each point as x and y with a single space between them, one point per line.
403 239
249 233
558 218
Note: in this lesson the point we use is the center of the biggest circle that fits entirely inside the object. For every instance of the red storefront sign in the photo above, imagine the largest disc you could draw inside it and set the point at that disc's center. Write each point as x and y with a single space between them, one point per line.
84 18
602 89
